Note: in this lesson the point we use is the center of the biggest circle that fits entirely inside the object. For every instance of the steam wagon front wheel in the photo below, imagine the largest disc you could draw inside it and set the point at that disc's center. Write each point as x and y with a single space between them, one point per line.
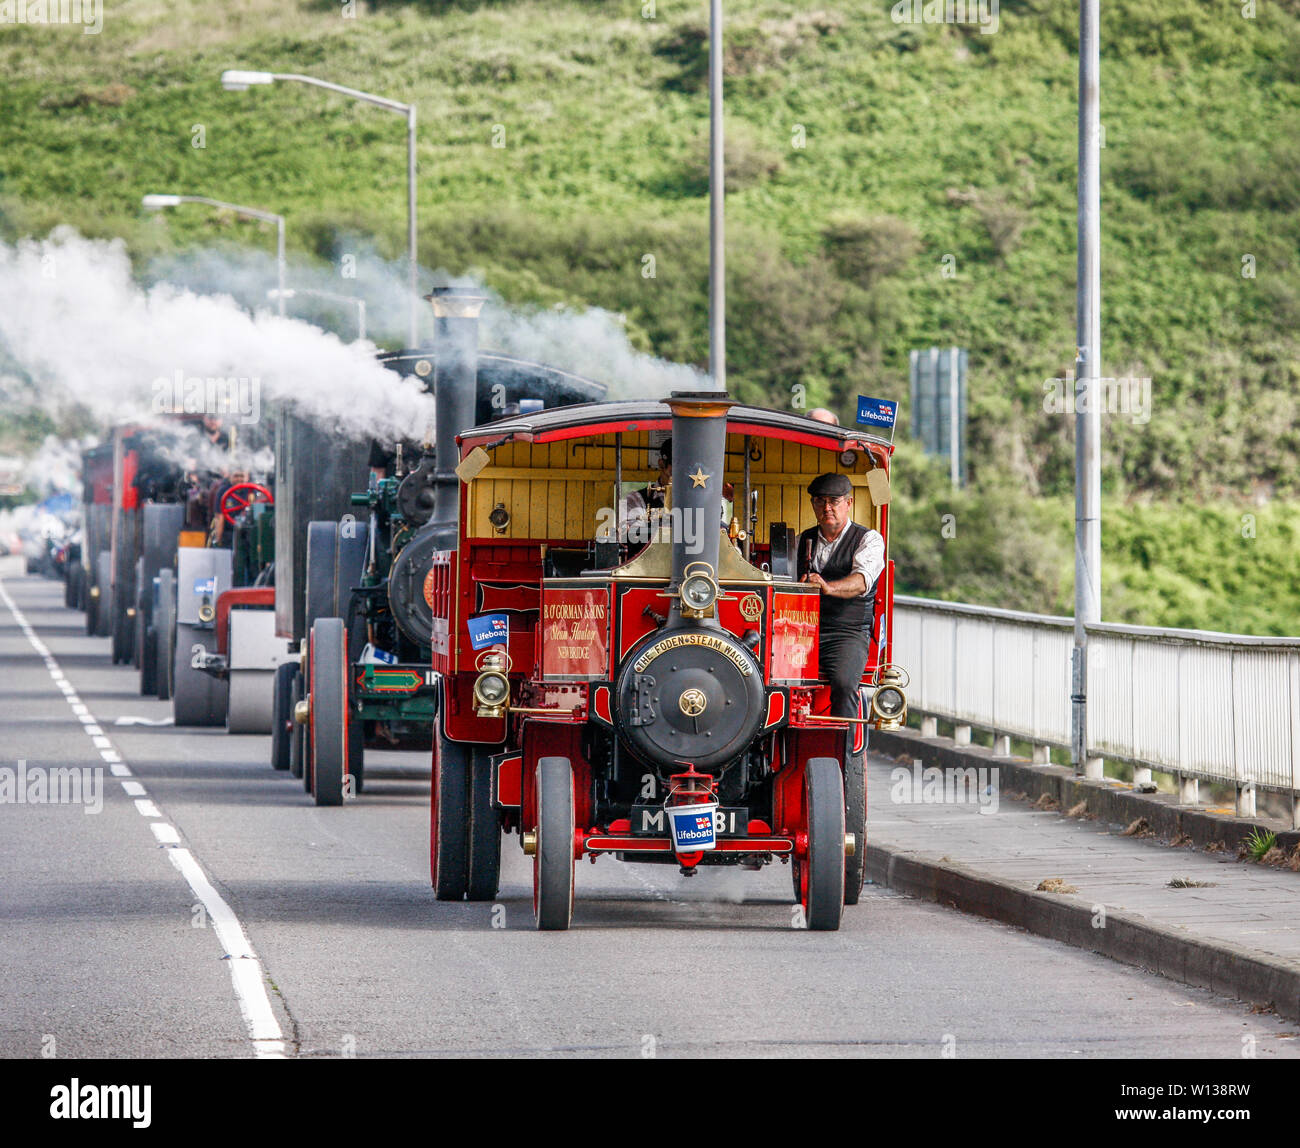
329 710
822 870
553 864
449 822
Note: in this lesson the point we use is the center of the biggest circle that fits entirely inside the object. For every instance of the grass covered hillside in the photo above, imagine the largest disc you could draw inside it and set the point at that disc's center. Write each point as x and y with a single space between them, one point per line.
890 186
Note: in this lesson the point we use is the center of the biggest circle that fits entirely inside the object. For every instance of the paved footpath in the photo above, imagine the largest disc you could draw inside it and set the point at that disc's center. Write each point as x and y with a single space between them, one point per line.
1227 912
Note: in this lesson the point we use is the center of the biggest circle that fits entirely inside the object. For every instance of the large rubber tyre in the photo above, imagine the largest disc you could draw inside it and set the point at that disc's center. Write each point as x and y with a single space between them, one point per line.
72 587
164 633
553 865
298 734
855 822
140 623
356 748
282 714
104 611
198 699
822 872
149 662
484 832
328 725
335 563
449 818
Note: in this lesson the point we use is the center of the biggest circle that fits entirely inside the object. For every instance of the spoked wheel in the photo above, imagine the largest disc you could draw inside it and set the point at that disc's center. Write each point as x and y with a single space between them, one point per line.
328 724
553 864
282 713
855 822
822 870
448 820
297 733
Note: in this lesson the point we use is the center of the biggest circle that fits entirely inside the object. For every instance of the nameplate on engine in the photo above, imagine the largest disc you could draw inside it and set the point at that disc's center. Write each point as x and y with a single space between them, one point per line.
574 629
712 642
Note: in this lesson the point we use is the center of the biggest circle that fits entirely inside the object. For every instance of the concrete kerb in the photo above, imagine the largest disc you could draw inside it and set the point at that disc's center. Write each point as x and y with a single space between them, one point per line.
1212 964
1108 801
1216 965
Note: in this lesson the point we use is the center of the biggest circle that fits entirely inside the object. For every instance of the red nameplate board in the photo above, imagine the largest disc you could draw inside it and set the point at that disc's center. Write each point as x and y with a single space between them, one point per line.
574 632
795 619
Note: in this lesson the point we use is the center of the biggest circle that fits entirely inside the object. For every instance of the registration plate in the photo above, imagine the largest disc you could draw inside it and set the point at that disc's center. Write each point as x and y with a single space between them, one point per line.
728 821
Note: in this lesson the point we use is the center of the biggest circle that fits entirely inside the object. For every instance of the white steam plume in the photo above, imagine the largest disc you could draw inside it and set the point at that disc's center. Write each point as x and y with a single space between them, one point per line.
84 331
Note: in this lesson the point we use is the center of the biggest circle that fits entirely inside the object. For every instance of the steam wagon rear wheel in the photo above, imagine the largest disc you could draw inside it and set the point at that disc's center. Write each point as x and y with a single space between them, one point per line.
164 626
297 733
71 589
855 822
822 871
329 710
449 820
553 863
484 832
282 713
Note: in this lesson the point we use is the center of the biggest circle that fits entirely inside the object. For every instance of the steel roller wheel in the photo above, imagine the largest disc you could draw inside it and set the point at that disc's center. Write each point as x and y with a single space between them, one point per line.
297 733
328 722
484 832
553 865
282 714
448 818
164 630
822 870
198 698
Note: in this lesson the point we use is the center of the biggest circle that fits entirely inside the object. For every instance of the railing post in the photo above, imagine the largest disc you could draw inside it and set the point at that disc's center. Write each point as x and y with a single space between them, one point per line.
929 727
1042 755
1189 791
1002 745
961 735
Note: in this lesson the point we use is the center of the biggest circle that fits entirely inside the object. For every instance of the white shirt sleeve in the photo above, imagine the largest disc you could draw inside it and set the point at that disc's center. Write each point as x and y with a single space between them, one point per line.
869 560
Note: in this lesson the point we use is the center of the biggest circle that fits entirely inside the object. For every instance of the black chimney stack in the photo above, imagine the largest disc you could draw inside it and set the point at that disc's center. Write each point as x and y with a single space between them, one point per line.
699 445
455 388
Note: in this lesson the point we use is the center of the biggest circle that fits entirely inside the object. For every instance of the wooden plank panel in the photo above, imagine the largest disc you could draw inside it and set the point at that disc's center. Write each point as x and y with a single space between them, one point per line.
535 493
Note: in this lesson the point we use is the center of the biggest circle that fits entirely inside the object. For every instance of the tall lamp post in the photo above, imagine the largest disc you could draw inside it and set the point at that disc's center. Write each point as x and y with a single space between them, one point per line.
158 202
360 304
240 81
717 199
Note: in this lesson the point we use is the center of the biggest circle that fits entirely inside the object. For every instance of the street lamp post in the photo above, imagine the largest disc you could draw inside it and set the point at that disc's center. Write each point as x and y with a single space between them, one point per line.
240 81
360 304
158 202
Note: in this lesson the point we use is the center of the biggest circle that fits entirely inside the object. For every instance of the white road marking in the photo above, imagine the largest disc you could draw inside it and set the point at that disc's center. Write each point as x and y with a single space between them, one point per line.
165 833
246 972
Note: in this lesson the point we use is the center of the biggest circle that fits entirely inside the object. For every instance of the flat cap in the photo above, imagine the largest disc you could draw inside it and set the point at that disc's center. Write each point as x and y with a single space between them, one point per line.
830 486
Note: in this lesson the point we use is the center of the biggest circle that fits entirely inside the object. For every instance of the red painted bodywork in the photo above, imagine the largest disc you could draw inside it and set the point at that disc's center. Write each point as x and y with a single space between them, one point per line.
260 596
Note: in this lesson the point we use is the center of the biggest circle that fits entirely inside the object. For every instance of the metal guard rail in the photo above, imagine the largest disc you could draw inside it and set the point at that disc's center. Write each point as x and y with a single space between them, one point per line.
1200 705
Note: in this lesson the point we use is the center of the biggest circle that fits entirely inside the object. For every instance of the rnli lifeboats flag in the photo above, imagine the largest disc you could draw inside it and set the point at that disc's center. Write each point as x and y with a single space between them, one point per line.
489 630
878 413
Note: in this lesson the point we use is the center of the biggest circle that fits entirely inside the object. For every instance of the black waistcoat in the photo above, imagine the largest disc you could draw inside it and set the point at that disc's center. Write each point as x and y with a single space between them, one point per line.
838 613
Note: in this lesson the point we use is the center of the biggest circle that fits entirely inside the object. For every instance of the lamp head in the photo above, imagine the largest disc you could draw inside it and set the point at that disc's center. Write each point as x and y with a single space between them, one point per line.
234 80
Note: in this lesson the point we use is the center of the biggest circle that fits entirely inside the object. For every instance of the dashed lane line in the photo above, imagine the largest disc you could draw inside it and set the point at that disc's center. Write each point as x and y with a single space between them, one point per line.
246 973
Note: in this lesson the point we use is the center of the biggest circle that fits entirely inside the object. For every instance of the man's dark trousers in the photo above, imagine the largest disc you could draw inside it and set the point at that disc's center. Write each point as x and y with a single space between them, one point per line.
841 659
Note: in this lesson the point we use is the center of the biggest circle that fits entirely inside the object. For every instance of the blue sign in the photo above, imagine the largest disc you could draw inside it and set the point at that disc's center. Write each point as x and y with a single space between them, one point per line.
877 412
488 630
205 585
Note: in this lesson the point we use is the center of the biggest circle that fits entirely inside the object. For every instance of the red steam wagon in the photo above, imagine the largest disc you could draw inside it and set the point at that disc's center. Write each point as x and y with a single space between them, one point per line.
627 659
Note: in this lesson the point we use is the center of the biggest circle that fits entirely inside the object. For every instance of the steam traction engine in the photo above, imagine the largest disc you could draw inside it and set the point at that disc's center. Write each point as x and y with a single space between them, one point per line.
659 702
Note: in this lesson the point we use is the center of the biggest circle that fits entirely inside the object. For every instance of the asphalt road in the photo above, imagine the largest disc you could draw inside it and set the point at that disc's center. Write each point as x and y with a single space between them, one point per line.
107 950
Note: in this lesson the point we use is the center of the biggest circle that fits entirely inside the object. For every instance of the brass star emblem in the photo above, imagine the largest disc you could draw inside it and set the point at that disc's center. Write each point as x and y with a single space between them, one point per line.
699 478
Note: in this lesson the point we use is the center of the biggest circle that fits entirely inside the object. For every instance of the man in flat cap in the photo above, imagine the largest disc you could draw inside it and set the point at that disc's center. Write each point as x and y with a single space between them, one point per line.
843 559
